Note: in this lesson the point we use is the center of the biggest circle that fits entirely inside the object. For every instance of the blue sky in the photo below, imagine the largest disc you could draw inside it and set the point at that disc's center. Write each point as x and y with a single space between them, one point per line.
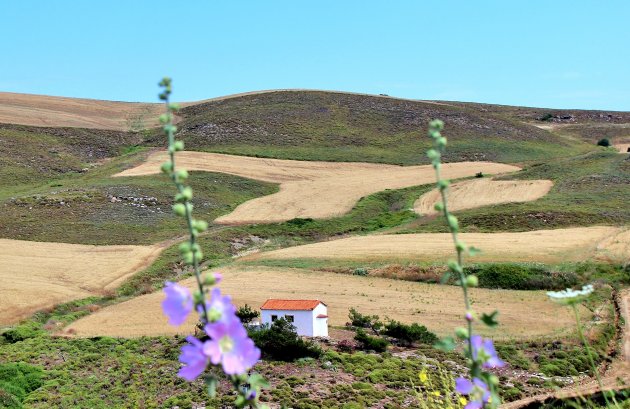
565 54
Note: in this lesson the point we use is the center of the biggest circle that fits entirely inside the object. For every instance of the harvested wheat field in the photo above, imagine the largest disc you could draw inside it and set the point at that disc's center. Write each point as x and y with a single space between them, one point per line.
550 246
438 307
484 192
36 275
623 147
317 190
41 110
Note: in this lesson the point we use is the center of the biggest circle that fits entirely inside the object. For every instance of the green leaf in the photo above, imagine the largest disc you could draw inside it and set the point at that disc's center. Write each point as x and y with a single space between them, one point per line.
211 386
258 381
445 277
473 251
491 319
446 344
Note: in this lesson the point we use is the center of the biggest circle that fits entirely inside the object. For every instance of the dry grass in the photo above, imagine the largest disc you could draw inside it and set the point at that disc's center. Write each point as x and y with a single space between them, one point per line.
42 110
34 275
622 147
548 246
311 189
484 192
438 307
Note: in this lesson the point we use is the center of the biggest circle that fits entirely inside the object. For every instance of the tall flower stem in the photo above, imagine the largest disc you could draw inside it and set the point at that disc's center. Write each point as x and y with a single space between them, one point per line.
575 308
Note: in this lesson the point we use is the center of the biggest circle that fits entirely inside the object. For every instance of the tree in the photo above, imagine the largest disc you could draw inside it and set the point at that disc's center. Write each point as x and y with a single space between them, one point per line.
603 142
246 314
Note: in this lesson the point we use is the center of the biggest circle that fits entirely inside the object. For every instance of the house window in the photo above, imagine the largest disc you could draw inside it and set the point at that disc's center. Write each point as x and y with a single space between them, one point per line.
289 318
273 318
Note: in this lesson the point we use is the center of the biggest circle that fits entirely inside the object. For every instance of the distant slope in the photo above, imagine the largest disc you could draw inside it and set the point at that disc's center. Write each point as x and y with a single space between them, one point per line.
49 111
318 125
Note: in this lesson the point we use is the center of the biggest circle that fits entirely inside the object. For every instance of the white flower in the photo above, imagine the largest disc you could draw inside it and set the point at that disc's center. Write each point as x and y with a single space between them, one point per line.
570 296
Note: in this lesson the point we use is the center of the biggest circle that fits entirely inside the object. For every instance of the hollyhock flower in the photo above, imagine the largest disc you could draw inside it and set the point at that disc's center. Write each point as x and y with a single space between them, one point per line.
230 346
194 359
178 303
571 297
483 351
219 308
477 392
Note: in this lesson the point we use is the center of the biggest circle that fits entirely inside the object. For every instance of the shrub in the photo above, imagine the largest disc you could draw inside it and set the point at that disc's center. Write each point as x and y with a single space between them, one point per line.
546 117
604 142
22 332
246 314
479 174
369 343
363 272
280 342
17 380
521 277
359 320
408 334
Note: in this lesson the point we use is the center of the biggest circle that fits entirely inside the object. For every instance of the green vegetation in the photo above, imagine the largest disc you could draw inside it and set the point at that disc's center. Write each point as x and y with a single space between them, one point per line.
588 189
17 380
370 343
313 125
281 342
604 142
409 334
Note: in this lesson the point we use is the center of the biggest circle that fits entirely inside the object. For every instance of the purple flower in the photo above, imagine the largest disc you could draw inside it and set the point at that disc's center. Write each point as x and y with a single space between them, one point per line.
178 303
219 308
484 352
194 359
230 346
477 392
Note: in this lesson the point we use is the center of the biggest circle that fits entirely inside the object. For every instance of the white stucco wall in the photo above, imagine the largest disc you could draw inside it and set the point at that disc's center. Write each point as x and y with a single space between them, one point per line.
305 322
320 325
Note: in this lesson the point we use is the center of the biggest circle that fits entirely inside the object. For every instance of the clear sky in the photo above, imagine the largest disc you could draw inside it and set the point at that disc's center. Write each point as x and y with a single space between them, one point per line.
554 53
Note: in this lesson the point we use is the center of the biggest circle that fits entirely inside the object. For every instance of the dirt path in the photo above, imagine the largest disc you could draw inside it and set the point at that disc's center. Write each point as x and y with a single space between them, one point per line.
438 307
308 188
484 192
35 275
550 246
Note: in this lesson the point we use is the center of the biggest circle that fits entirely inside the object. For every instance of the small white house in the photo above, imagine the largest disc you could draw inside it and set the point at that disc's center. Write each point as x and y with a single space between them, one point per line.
310 317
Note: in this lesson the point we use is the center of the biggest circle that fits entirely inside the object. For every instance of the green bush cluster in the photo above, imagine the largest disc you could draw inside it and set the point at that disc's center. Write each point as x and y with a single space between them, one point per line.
22 332
281 342
17 380
521 277
369 343
408 334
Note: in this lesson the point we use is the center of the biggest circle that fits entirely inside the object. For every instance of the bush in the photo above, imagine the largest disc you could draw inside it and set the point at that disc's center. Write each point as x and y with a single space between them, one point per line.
359 320
479 174
408 334
280 342
369 343
363 272
521 277
17 380
246 314
604 142
22 332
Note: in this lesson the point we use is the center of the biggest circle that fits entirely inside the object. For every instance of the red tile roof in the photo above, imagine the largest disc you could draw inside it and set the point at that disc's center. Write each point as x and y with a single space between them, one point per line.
306 305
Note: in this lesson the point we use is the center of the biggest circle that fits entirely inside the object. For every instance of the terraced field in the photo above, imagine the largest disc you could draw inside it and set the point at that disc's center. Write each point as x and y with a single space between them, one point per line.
35 276
312 189
437 307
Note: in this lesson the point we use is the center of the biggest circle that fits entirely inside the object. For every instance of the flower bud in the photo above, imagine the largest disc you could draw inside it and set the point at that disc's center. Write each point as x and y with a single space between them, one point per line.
441 142
443 184
200 225
433 154
472 281
179 209
452 222
462 333
184 247
455 267
174 106
188 257
436 124
438 206
178 146
181 174
165 118
167 167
